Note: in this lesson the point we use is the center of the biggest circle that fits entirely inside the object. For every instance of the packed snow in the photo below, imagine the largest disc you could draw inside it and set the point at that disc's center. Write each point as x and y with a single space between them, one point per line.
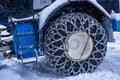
109 69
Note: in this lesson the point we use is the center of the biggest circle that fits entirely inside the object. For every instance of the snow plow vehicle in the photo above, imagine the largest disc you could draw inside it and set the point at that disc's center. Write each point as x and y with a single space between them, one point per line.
72 34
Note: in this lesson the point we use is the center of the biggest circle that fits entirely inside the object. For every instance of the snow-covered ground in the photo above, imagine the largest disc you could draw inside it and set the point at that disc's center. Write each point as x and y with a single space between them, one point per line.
108 70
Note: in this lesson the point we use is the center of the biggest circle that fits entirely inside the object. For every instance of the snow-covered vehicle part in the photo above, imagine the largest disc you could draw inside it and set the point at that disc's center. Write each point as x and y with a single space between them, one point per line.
90 7
72 33
115 20
5 41
26 40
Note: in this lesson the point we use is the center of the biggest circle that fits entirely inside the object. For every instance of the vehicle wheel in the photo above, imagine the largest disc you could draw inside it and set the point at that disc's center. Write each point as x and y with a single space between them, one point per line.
75 43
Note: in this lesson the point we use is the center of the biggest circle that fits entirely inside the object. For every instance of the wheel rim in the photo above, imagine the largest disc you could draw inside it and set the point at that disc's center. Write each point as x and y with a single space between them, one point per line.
78 46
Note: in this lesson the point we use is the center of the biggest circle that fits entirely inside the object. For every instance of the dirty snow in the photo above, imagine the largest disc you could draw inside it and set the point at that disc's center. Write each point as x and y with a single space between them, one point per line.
108 70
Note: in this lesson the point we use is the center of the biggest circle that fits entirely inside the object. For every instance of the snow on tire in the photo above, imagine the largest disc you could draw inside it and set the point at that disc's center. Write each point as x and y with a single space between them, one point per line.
75 31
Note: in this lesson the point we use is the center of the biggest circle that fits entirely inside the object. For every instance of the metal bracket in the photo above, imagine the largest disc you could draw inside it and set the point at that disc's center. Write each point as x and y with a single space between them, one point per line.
30 60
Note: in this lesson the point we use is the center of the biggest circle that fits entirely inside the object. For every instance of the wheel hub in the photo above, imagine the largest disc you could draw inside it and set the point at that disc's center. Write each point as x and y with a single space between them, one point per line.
78 46
74 44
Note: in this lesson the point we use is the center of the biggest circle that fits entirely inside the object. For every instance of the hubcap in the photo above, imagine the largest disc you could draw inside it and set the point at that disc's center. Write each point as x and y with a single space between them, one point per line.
78 46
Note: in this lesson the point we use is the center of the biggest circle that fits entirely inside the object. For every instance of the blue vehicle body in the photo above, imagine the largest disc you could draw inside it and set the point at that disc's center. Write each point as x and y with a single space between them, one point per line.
115 25
25 37
115 20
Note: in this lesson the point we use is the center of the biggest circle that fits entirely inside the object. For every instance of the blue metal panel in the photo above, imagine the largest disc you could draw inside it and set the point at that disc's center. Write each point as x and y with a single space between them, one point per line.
115 25
25 38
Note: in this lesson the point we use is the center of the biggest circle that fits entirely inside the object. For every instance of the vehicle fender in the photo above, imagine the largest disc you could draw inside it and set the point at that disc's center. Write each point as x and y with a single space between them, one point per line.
50 10
98 12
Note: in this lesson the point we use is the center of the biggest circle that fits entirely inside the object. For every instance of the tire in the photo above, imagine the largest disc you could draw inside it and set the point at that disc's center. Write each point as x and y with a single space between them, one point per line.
55 40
